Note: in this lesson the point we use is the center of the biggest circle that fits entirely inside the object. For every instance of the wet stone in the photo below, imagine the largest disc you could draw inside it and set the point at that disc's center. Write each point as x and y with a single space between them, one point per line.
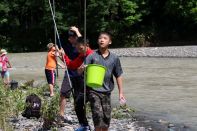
163 122
142 129
170 125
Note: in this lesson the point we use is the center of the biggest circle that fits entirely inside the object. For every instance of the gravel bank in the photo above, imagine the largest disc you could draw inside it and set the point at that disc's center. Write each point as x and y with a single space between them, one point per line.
174 51
22 123
128 123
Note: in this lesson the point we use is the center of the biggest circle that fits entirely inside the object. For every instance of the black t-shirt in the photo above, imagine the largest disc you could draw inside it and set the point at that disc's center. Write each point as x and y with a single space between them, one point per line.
72 53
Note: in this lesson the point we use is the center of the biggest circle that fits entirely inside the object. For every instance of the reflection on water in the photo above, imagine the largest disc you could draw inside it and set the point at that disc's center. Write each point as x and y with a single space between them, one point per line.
164 88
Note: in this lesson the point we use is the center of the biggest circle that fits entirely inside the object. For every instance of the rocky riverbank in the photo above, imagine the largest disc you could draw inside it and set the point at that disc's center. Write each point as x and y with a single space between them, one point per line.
127 122
173 51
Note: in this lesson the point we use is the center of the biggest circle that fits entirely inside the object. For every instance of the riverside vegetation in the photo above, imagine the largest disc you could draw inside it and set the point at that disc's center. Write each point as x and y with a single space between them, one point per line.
13 103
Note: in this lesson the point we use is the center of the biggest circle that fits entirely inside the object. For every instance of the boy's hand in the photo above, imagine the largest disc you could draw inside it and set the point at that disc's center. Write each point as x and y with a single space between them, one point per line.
76 30
63 66
61 51
54 53
56 47
81 69
122 100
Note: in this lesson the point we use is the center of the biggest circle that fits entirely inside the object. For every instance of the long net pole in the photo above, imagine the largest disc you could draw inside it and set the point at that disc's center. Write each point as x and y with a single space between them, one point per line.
60 45
55 39
85 55
55 25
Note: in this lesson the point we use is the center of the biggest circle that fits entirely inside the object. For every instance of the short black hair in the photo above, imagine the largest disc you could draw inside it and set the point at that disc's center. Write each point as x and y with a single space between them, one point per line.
81 40
71 33
106 33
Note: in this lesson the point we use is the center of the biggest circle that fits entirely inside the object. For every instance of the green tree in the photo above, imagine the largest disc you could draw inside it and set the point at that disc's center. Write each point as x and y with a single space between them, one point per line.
27 25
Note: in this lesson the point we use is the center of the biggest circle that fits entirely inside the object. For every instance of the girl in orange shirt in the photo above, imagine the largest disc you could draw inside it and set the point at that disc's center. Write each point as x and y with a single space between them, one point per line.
51 66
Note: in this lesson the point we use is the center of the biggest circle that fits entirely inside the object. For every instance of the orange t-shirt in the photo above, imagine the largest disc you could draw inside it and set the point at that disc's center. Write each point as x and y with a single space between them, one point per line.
51 61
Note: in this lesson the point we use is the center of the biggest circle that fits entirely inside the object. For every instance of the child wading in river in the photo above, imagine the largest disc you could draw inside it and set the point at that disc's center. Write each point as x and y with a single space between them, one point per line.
100 98
82 47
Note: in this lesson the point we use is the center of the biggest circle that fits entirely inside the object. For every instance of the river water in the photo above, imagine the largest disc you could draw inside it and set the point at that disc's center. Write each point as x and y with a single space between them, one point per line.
161 88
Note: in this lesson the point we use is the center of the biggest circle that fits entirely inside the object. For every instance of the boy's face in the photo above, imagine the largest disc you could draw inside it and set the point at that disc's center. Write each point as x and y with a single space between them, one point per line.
104 41
72 39
81 48
52 48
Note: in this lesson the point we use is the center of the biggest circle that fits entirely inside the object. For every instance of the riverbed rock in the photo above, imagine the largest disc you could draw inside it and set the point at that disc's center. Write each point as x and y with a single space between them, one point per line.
170 125
129 126
163 122
142 129
172 51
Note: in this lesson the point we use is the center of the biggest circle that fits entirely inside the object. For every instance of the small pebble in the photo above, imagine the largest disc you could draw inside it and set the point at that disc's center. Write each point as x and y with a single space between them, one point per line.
170 125
142 129
163 122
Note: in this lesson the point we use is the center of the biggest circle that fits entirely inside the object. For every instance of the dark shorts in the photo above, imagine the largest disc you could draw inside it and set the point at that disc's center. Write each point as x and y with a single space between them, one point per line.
77 85
5 74
51 76
101 108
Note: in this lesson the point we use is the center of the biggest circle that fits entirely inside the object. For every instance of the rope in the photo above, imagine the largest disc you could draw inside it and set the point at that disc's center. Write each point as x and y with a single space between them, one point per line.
85 55
55 40
60 45
58 37
54 27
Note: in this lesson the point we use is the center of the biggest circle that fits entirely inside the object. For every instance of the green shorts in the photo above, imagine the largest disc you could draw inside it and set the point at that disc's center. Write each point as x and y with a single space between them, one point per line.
101 108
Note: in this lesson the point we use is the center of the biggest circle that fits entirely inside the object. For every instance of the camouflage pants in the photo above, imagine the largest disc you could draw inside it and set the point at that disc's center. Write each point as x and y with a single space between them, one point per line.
101 108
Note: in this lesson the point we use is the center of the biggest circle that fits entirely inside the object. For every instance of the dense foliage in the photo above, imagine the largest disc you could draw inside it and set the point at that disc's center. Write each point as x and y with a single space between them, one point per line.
27 25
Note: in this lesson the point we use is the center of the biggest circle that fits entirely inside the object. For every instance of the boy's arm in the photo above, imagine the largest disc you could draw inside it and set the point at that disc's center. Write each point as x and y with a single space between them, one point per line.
67 60
87 61
118 74
76 62
120 87
76 30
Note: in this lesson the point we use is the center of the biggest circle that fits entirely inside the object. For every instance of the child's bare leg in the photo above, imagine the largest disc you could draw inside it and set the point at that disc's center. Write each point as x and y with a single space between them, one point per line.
51 89
7 78
7 81
62 105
